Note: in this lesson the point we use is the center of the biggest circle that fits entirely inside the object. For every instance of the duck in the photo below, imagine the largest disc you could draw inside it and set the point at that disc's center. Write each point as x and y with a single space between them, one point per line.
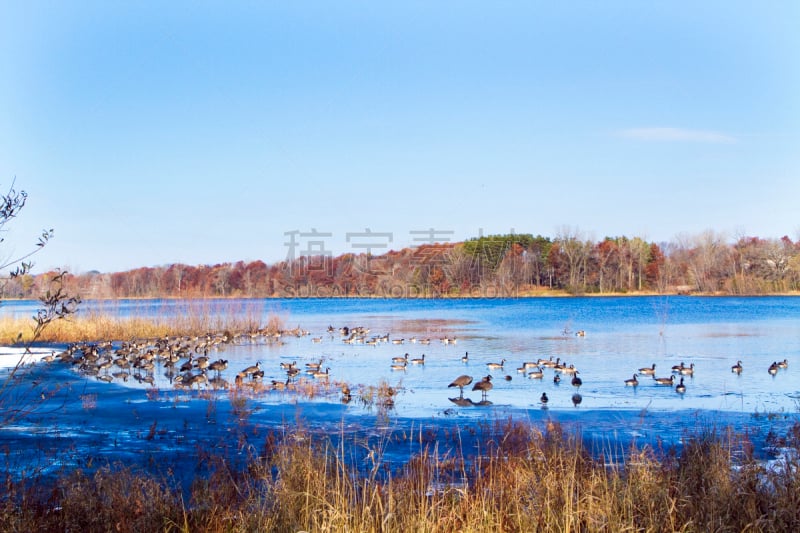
680 388
461 382
633 382
737 368
648 371
484 385
496 366
665 381
346 396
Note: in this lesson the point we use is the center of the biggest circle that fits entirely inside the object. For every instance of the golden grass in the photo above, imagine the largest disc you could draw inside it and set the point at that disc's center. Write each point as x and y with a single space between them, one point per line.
107 324
523 479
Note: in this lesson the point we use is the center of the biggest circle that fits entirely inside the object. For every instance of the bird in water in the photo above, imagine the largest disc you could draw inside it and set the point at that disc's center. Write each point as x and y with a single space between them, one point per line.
576 381
633 382
737 368
680 388
648 371
484 385
576 399
461 382
544 399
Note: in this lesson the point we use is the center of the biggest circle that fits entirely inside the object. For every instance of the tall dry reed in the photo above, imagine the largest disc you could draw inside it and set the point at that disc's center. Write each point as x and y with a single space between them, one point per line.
523 478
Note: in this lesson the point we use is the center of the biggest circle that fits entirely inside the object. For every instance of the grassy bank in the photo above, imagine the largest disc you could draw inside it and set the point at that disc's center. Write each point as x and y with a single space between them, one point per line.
525 479
108 324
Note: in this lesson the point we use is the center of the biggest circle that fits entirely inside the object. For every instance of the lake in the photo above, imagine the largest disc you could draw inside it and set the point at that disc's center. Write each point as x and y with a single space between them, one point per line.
127 419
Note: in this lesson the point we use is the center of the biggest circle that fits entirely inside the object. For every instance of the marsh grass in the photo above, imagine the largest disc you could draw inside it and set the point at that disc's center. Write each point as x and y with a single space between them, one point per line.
521 478
107 322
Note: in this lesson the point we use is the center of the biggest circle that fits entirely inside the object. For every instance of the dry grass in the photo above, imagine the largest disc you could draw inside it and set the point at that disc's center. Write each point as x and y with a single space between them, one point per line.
523 479
108 324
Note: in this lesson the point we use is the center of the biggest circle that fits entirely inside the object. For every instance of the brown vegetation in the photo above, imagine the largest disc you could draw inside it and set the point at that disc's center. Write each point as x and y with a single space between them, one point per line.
491 266
524 479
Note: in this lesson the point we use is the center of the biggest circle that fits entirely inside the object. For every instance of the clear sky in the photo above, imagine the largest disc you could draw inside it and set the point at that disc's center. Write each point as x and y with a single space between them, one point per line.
148 133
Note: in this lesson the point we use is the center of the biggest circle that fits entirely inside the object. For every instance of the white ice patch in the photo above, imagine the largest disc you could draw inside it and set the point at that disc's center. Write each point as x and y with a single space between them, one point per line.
11 356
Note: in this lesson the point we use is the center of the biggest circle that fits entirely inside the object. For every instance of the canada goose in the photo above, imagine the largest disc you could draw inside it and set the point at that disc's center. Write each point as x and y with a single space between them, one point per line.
576 399
419 360
461 382
403 359
568 369
316 340
783 364
633 382
678 368
680 388
484 385
544 362
322 375
530 364
576 381
314 366
537 373
280 385
773 368
496 366
288 366
648 371
465 359
552 364
188 365
218 365
252 369
580 333
687 370
346 396
665 381
557 379
197 379
399 366
543 398
737 368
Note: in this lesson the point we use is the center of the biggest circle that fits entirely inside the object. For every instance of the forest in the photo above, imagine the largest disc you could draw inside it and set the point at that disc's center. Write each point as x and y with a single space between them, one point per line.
507 265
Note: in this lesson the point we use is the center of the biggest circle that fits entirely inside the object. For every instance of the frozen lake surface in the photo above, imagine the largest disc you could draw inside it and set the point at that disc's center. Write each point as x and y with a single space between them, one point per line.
150 421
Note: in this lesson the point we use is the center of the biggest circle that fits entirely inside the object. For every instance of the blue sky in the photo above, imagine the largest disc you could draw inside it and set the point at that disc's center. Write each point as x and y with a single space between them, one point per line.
148 133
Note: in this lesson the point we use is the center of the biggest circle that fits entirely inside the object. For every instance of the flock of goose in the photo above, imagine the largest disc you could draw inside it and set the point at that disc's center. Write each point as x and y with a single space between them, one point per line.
186 363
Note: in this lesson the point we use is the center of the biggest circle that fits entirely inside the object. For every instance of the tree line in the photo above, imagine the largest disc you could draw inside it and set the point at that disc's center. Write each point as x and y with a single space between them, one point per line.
493 265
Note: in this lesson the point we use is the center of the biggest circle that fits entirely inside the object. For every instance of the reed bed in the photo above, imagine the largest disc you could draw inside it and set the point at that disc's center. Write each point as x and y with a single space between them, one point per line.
523 479
107 322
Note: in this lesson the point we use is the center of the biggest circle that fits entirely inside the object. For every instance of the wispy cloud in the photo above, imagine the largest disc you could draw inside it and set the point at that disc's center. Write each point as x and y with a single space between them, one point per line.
677 135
